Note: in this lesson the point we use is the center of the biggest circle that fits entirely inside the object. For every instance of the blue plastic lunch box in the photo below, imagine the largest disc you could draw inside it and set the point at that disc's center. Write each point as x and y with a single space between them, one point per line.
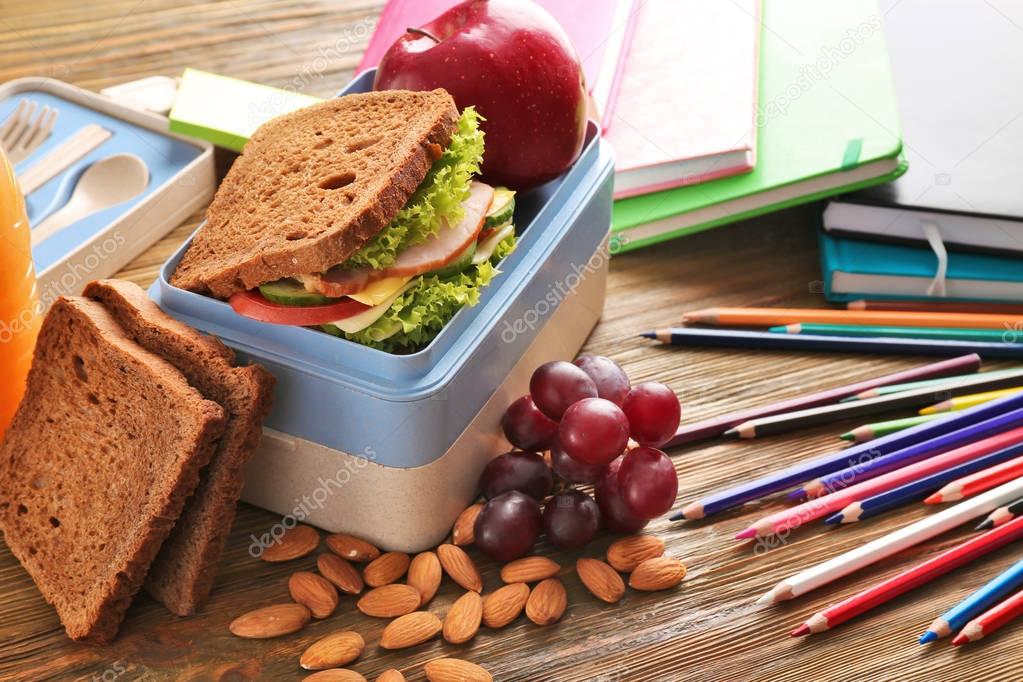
390 447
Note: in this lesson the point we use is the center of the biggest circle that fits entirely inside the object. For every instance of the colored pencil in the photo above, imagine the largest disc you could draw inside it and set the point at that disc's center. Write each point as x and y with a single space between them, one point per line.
884 547
1002 515
818 466
788 421
729 338
715 426
926 383
939 306
968 486
983 599
964 401
990 621
993 335
861 434
910 579
771 317
869 467
862 510
794 517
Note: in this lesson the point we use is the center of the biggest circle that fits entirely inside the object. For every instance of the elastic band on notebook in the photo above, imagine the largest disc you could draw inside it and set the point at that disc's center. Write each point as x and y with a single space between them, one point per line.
851 155
930 230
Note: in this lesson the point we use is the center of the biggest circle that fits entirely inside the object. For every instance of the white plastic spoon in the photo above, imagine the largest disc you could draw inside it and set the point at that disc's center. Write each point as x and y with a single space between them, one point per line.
105 183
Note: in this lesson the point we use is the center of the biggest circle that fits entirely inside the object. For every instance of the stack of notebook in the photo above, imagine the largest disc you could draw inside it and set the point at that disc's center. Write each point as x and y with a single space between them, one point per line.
952 227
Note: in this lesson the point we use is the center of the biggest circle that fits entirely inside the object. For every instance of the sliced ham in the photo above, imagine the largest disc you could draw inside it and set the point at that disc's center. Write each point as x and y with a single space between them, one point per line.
436 252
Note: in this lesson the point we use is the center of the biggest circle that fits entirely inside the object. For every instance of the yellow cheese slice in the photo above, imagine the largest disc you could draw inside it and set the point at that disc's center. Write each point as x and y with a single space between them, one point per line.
380 290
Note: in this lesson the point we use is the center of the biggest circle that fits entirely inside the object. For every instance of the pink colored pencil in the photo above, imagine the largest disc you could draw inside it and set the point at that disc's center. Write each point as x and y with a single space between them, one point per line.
789 519
978 482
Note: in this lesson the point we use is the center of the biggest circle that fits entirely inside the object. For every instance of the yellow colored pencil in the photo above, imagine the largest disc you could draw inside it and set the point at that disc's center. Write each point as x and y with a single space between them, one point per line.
965 401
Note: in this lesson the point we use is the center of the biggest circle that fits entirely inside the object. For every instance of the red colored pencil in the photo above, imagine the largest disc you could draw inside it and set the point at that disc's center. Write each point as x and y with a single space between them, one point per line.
992 619
910 579
979 482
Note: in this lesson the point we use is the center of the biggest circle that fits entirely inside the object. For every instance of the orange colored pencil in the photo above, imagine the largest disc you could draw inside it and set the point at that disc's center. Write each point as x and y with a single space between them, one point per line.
939 306
978 482
773 317
991 620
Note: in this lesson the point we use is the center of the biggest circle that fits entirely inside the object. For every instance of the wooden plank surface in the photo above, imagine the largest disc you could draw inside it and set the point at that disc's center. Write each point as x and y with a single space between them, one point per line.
708 629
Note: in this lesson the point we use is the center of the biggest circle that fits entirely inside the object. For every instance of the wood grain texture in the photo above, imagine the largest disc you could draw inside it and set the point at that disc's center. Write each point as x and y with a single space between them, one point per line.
708 629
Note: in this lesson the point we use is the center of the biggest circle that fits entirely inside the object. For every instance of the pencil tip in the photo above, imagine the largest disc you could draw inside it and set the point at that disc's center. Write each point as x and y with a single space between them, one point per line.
731 434
987 524
960 640
848 435
834 519
748 533
678 516
767 598
796 495
649 335
936 498
801 631
928 637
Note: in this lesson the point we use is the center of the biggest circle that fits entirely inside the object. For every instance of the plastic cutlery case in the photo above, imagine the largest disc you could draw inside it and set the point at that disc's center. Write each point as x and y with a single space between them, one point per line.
390 447
181 180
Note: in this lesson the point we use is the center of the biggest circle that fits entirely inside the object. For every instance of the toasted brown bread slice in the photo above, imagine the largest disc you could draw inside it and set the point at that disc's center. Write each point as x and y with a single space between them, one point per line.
104 449
183 572
313 186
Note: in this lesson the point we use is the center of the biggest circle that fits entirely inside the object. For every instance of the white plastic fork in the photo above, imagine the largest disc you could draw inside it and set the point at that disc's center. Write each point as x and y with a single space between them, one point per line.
23 131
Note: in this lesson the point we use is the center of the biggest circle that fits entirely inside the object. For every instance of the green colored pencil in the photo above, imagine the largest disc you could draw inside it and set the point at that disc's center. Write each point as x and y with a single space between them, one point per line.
995 335
927 383
862 434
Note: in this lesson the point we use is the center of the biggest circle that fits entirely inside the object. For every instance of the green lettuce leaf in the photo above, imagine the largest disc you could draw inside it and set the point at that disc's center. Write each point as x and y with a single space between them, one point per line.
438 197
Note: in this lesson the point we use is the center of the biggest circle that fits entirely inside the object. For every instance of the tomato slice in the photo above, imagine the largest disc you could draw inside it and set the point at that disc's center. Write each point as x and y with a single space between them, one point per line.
253 305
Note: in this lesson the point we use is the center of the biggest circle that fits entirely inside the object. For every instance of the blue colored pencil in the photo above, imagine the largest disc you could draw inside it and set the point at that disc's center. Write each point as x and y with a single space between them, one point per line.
875 465
917 490
821 466
974 605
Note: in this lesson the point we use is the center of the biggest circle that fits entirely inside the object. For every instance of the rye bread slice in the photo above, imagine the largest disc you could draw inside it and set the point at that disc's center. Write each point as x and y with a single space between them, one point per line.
182 575
313 186
104 449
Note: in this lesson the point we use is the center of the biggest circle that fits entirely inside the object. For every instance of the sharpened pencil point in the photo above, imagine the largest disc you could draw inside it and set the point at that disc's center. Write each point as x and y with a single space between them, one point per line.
731 434
928 637
677 516
649 335
986 524
796 495
750 532
848 435
936 498
960 640
766 598
834 519
801 631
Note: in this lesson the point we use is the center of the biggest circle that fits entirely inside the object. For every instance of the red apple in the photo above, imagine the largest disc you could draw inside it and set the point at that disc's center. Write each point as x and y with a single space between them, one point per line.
514 63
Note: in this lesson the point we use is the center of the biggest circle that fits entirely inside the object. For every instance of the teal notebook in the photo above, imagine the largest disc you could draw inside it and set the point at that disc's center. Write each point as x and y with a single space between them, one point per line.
855 269
829 124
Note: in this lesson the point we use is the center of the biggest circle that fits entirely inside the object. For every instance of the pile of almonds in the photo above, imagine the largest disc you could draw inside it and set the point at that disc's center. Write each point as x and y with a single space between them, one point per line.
381 595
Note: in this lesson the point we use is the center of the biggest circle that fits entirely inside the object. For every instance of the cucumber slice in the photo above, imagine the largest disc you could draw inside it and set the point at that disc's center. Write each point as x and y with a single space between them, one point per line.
463 261
291 292
503 208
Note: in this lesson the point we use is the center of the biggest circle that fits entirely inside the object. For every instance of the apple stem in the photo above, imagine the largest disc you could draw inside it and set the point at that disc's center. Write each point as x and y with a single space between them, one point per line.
422 32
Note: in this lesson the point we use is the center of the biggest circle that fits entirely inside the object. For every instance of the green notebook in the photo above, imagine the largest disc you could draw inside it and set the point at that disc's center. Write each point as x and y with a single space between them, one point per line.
829 124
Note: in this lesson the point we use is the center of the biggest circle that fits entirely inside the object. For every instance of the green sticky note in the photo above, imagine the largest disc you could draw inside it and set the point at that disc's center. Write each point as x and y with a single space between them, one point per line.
226 111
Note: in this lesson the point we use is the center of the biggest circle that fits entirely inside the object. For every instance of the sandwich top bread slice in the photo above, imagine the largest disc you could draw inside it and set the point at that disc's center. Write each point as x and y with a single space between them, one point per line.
313 186
183 572
106 446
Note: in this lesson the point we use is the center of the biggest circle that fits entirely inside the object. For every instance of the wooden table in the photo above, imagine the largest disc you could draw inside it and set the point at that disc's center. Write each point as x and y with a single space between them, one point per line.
708 629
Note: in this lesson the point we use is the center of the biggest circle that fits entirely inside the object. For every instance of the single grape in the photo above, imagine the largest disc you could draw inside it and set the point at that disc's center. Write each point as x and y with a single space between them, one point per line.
594 431
571 519
611 381
572 470
526 427
526 472
557 385
654 413
647 482
616 515
508 526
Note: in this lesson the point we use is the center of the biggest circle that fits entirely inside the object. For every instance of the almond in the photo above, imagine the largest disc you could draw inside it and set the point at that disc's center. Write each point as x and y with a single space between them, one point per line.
463 620
625 554
463 533
385 569
460 567
296 542
391 675
503 606
601 580
314 592
659 573
410 630
270 621
352 548
424 574
334 675
338 571
338 649
547 602
456 670
389 601
529 569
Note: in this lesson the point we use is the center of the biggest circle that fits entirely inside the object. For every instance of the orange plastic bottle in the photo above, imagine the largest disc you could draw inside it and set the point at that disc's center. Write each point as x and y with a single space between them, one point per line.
19 308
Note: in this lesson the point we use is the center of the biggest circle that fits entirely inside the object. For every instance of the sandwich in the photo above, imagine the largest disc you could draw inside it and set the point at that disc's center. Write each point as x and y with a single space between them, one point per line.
360 217
121 467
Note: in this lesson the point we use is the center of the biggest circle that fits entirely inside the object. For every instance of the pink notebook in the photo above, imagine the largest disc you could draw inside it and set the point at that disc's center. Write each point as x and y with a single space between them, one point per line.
597 29
685 107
